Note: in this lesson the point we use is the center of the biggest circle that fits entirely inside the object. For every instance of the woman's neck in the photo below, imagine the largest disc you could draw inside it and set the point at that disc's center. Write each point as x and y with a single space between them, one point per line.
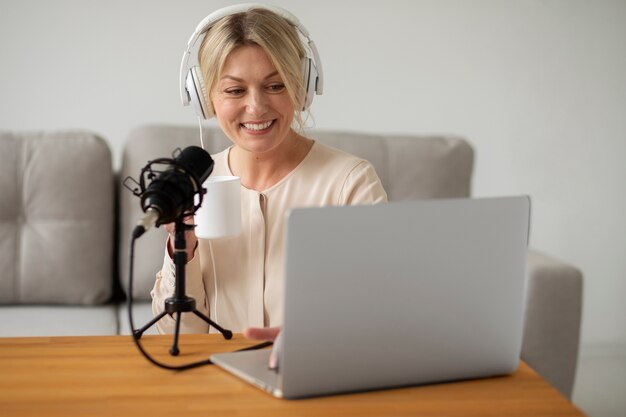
261 171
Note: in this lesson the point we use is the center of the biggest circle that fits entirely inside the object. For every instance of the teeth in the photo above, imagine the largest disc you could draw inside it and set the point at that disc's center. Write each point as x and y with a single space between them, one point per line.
257 126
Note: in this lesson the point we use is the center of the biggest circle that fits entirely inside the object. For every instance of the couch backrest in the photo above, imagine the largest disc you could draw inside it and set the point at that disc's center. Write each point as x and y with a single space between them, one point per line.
56 218
410 167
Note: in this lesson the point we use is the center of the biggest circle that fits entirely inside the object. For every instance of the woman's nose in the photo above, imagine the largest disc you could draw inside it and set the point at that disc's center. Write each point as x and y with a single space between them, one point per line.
256 103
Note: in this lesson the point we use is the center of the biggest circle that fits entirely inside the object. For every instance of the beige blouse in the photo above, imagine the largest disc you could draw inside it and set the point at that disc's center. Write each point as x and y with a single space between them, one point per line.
247 287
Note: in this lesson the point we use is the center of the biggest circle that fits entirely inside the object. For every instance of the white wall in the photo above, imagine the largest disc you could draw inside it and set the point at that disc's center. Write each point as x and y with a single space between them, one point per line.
538 87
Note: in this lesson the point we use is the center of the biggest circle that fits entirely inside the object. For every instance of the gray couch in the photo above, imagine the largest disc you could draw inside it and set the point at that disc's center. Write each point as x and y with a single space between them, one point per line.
65 222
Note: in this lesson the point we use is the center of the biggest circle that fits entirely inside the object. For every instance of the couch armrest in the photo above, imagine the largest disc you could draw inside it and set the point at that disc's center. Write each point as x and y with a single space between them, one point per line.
552 324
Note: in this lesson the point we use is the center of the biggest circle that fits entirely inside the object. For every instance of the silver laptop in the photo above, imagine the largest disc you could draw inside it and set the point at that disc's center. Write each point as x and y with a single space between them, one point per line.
397 294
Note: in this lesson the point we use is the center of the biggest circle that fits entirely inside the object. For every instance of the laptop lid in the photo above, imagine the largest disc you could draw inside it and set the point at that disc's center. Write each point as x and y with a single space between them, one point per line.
402 293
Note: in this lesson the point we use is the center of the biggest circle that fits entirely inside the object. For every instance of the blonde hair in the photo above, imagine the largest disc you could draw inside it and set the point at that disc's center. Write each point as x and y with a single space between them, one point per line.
273 33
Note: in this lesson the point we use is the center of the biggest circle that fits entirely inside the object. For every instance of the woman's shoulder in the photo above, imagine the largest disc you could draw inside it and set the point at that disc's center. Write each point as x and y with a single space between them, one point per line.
329 155
354 178
221 154
325 161
220 160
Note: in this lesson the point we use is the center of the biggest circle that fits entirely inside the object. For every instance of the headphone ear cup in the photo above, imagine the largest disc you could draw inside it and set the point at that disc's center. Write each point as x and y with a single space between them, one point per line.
197 93
309 76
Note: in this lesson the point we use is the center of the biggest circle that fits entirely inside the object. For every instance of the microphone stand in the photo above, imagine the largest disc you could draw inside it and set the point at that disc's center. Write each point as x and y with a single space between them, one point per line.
180 302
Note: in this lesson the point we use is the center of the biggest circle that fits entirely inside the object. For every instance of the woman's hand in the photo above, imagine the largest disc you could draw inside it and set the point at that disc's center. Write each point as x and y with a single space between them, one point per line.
267 333
191 240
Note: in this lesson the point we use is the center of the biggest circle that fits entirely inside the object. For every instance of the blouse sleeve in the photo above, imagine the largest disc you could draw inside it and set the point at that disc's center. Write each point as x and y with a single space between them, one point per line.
362 186
164 288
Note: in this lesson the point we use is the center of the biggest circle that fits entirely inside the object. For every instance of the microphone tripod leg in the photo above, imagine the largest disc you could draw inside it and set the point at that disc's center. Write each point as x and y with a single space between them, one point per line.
174 349
139 332
226 333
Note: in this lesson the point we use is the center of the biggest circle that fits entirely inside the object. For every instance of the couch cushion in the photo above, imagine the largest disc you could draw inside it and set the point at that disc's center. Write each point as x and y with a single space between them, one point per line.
410 167
56 218
17 321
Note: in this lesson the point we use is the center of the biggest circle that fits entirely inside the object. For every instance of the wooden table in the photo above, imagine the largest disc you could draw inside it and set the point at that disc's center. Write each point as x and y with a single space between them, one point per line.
106 375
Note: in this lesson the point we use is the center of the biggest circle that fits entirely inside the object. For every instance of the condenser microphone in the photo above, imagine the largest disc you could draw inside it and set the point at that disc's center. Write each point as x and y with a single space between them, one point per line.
171 192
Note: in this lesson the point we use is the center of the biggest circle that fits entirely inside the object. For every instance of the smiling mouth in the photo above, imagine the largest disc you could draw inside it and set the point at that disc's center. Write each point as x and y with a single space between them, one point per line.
258 127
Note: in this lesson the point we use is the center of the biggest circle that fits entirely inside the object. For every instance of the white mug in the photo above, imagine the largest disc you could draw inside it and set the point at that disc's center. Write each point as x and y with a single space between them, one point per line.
220 212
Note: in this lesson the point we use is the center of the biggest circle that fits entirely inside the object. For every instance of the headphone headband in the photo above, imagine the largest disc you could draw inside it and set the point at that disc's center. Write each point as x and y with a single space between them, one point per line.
191 83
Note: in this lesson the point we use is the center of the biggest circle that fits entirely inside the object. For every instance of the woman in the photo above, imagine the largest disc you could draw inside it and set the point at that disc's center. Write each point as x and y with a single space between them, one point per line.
252 63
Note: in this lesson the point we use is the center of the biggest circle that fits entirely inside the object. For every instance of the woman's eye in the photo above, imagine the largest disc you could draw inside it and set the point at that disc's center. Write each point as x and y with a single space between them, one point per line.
276 88
235 91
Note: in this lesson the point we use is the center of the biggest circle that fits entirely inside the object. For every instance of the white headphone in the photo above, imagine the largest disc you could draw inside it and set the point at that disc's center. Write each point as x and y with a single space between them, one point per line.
192 87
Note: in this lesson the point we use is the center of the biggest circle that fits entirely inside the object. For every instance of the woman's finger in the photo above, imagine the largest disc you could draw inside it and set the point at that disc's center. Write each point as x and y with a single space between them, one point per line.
261 333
